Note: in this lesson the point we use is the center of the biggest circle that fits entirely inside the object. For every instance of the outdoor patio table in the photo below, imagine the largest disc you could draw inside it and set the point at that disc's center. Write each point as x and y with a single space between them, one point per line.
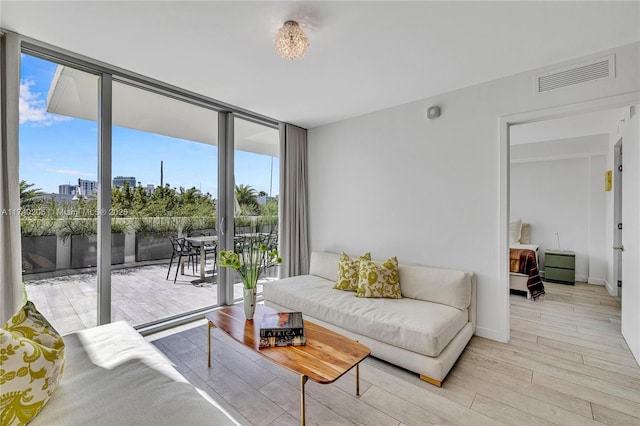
202 241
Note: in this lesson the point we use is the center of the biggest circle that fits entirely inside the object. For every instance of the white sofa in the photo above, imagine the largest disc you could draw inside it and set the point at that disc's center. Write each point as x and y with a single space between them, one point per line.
112 376
425 331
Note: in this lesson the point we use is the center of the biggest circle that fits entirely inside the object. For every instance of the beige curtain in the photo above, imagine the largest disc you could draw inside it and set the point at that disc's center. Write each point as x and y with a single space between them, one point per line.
10 247
294 240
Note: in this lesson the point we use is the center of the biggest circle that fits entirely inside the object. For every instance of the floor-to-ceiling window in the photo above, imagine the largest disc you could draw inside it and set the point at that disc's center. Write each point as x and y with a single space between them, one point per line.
256 190
58 187
162 156
164 186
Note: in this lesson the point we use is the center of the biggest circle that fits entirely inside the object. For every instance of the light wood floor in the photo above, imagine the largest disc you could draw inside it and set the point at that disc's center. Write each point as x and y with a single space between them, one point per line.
566 364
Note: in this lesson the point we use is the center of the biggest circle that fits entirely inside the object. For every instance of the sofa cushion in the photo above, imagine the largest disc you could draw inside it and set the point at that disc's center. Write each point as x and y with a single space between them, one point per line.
114 377
379 280
324 264
444 286
32 363
348 272
415 325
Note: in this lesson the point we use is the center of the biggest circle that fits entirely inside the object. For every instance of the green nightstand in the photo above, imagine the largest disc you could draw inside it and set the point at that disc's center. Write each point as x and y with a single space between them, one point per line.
560 266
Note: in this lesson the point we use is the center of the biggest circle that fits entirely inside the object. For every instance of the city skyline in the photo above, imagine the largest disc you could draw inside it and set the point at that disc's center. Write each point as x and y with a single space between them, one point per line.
57 150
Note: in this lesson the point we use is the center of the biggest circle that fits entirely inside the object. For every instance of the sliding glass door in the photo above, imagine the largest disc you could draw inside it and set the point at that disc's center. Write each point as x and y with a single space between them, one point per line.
256 190
105 152
165 167
58 190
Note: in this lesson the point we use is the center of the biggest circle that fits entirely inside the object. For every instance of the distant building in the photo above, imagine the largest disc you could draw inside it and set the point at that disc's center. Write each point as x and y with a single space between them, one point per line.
87 188
264 199
151 188
67 189
120 180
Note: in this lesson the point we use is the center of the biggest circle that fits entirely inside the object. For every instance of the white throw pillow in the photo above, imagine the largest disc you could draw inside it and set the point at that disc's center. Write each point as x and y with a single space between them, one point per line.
515 228
525 233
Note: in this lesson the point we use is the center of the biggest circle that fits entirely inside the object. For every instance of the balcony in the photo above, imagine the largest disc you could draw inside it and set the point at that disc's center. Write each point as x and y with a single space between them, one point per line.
60 277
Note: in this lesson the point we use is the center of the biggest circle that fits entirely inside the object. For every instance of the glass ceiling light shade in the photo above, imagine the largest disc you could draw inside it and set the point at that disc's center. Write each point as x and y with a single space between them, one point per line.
291 42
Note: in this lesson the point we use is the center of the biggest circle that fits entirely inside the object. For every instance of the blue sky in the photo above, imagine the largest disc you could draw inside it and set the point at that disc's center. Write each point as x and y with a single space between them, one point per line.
57 150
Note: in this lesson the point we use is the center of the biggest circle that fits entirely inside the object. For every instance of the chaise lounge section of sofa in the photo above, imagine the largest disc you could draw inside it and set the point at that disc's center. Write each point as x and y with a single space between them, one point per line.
112 376
425 331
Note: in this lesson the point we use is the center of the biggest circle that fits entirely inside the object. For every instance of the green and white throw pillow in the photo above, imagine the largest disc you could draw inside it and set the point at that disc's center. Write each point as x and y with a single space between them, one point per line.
31 365
348 270
379 280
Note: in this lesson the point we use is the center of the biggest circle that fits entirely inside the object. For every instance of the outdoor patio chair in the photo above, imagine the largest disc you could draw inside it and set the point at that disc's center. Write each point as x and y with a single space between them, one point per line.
181 250
208 249
240 243
272 238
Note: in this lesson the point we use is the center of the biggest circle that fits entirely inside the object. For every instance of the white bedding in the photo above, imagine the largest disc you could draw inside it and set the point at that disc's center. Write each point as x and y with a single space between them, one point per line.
533 247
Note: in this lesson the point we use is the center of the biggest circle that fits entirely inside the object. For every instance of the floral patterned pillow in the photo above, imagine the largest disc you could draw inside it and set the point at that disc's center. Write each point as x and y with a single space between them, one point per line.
31 365
348 270
379 280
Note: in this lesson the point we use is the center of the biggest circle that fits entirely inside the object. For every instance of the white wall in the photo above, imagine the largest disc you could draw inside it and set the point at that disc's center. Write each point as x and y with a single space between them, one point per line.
565 196
598 247
428 191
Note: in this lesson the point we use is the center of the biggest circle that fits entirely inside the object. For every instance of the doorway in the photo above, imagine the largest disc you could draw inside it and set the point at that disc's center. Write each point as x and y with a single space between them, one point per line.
557 186
511 122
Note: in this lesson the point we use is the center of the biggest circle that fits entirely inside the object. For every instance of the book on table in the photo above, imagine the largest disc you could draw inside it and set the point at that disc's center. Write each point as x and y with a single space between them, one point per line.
282 329
282 324
273 342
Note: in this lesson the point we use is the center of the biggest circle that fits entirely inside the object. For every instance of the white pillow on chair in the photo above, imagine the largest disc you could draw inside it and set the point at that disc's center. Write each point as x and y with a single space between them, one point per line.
525 233
515 229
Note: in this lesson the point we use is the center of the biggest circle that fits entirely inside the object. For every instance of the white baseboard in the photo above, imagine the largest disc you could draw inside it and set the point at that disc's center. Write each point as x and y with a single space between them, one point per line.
596 281
613 291
581 278
492 334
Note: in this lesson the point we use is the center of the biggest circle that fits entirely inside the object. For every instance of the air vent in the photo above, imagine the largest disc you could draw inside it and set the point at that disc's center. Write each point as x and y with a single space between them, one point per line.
594 70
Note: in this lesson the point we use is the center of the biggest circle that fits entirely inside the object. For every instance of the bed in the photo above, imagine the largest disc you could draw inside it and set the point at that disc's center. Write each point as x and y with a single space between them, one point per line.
524 273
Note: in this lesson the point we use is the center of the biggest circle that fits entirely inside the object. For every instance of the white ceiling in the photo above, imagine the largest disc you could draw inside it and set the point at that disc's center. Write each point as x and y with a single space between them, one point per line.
364 56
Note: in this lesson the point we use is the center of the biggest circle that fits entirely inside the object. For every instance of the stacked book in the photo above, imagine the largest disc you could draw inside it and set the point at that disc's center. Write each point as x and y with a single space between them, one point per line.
282 329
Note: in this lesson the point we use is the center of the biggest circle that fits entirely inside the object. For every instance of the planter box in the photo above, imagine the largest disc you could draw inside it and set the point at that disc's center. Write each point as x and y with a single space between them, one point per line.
207 231
153 246
84 250
39 254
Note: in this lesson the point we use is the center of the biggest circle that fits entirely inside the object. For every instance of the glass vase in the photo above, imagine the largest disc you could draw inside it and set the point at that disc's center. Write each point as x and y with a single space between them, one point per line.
249 301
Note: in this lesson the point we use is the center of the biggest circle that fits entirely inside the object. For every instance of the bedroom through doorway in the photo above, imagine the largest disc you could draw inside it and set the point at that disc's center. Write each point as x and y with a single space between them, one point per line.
564 218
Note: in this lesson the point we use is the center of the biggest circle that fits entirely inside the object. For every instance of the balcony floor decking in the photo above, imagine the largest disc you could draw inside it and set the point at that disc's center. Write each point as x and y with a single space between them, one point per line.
139 295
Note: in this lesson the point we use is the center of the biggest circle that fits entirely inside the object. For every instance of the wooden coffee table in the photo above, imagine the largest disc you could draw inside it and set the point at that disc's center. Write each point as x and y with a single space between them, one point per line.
325 358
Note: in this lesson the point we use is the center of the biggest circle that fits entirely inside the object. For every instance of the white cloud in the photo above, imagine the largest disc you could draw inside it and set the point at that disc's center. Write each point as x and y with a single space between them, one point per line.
33 109
72 172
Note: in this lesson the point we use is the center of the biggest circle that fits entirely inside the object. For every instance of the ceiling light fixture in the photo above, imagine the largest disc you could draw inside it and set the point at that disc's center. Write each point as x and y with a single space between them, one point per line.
291 42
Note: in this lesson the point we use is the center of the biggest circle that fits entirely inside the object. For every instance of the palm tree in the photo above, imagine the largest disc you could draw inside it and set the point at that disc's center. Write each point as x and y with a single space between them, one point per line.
246 195
188 196
28 194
